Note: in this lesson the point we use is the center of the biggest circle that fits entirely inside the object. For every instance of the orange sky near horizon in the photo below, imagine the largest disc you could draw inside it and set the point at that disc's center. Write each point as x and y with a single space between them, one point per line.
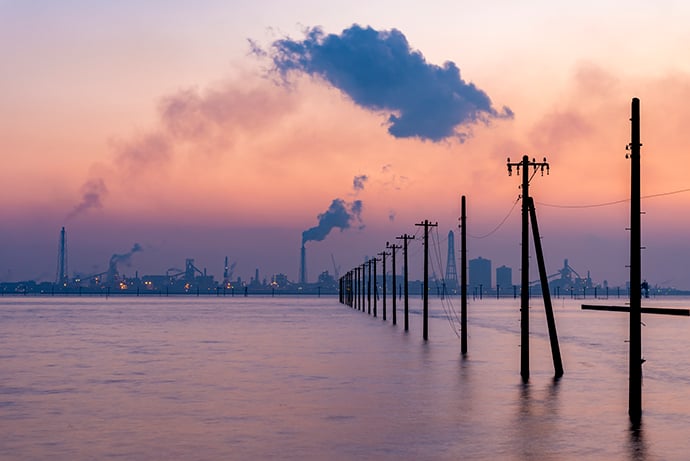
313 137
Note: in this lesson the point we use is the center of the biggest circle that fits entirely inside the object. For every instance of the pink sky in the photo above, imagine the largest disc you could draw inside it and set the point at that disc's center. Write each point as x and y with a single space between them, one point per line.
115 95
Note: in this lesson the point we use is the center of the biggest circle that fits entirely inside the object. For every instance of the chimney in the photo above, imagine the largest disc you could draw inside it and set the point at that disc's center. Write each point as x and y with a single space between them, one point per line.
303 266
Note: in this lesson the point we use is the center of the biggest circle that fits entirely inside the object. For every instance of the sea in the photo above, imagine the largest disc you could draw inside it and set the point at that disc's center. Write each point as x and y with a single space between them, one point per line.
308 378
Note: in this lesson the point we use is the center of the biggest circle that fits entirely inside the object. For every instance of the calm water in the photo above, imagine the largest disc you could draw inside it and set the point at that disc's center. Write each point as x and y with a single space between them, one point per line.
311 379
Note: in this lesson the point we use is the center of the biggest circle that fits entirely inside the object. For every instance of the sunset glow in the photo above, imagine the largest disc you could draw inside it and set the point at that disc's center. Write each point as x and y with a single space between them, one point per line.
171 127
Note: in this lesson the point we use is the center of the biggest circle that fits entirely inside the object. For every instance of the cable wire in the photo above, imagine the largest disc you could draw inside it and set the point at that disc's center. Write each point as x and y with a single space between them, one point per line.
615 202
494 230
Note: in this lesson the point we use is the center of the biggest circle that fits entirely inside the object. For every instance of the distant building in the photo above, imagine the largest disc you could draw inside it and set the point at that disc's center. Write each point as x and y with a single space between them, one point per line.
504 279
479 275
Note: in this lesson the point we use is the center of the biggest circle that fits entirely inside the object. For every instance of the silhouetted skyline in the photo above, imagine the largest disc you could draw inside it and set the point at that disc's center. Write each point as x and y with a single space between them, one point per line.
208 133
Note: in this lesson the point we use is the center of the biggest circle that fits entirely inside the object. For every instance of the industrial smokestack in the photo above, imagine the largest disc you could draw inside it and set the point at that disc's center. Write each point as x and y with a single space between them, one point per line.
303 266
61 277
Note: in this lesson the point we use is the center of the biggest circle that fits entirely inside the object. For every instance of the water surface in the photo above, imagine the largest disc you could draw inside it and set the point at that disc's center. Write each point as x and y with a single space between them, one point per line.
305 378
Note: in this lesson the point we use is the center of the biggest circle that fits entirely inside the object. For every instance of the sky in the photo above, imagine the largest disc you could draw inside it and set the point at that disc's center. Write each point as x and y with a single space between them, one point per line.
208 129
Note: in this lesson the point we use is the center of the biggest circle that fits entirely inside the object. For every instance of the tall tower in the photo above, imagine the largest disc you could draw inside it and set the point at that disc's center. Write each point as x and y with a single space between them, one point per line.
61 275
451 269
303 266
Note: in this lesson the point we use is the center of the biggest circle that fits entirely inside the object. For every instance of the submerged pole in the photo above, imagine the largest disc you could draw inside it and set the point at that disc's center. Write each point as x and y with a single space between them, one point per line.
546 293
369 288
425 285
635 389
524 288
394 281
405 238
425 323
376 287
355 293
363 285
524 292
463 277
383 261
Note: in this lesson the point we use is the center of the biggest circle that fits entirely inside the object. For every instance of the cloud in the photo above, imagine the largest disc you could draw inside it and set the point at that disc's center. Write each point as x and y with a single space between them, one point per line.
392 180
340 214
379 71
358 182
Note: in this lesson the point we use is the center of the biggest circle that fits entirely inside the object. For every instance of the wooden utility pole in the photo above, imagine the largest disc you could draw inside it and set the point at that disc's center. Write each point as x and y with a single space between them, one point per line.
383 255
524 289
405 238
635 308
635 386
463 277
355 283
546 294
426 224
369 288
363 286
393 247
375 285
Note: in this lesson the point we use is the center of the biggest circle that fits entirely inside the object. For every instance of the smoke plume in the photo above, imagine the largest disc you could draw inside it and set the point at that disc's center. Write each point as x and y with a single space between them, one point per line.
93 192
125 258
191 122
379 71
340 214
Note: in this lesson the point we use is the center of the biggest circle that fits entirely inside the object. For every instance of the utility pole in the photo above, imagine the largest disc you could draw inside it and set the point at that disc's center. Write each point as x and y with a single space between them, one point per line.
363 285
369 288
546 294
524 289
405 238
374 261
393 247
355 293
635 356
426 224
355 280
635 308
463 277
383 255
348 288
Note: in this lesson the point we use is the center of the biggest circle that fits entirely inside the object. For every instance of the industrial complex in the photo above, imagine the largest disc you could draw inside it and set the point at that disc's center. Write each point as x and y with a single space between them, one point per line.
189 279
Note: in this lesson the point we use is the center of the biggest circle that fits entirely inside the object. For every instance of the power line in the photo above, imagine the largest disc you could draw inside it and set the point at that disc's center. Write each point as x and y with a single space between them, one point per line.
615 202
495 229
